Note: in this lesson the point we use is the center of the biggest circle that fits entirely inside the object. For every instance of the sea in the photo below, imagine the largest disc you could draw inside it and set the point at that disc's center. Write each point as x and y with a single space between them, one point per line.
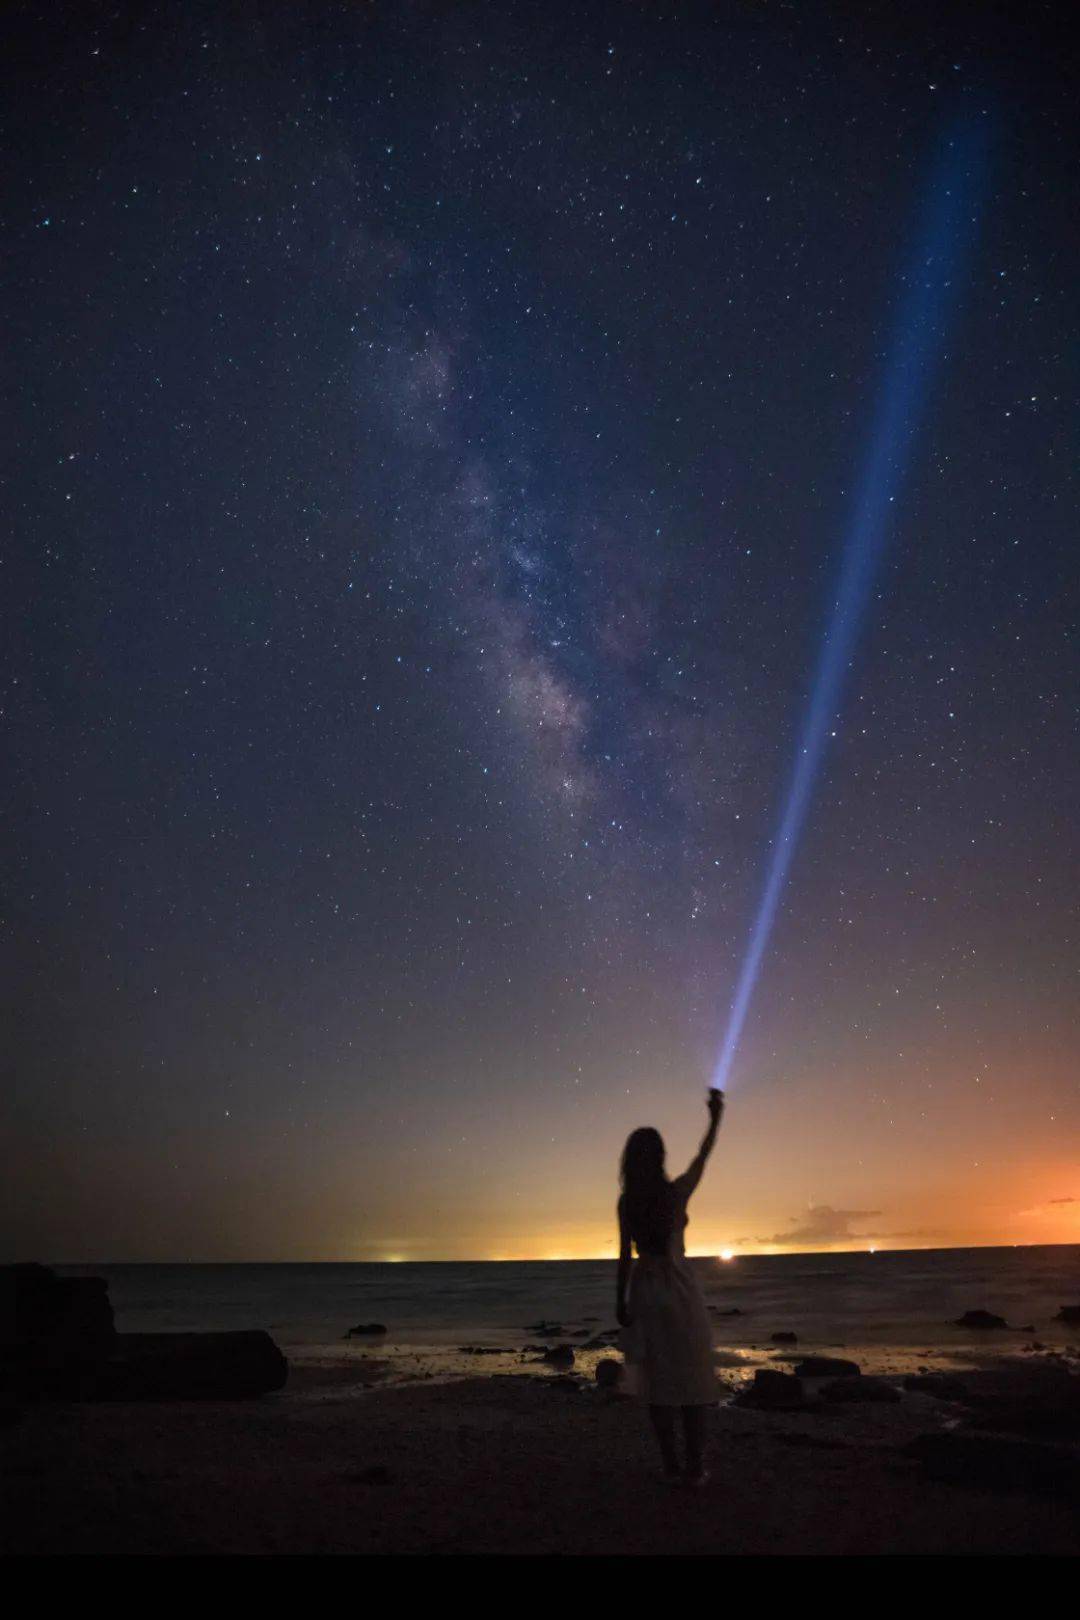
892 1310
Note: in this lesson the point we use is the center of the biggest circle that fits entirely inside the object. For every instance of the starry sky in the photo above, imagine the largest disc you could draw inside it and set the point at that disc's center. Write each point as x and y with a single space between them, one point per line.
433 432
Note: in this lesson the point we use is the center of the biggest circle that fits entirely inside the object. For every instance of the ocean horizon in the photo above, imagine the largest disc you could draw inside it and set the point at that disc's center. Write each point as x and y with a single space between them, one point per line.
894 1308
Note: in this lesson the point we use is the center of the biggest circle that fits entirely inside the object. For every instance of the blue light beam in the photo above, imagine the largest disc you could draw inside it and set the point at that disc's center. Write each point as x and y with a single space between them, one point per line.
944 243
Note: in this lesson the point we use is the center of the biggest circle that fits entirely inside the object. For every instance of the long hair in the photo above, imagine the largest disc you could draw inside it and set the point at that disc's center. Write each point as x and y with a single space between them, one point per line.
646 1188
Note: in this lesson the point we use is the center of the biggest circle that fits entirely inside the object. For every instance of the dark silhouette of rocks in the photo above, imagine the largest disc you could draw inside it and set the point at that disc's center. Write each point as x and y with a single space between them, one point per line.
365 1329
827 1367
60 1342
609 1373
981 1320
1068 1313
192 1366
774 1392
56 1331
1040 1399
560 1355
784 1338
1034 1398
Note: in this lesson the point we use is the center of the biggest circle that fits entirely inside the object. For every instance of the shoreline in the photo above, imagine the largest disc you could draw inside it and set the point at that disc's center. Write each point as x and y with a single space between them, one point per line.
393 1362
515 1462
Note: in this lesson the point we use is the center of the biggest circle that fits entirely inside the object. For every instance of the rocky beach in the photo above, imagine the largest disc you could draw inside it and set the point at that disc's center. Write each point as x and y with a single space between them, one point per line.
484 1449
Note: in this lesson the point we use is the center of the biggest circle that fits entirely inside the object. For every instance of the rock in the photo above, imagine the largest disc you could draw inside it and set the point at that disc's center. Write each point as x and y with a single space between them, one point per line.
733 1311
47 1307
560 1355
363 1329
609 1373
856 1390
827 1367
191 1366
56 1331
63 1344
1068 1313
989 1462
774 1392
481 1350
1039 1398
785 1338
550 1329
980 1319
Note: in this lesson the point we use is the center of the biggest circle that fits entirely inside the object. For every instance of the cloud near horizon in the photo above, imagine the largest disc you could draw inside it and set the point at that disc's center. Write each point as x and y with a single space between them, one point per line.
823 1224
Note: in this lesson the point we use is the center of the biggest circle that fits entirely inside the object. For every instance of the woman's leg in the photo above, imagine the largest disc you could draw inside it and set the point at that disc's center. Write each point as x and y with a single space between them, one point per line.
663 1422
694 1421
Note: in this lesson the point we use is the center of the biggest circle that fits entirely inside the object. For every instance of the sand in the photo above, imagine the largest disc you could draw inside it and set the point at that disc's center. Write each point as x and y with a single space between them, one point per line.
508 1463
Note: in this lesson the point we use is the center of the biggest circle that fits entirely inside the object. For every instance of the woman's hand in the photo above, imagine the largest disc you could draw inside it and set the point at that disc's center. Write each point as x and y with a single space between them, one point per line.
716 1105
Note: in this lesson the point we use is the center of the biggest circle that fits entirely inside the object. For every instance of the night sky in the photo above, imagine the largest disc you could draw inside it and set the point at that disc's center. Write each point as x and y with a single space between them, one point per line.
433 429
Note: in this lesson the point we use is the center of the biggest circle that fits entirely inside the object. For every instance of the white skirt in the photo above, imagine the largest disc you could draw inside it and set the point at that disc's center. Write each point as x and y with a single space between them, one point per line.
668 1345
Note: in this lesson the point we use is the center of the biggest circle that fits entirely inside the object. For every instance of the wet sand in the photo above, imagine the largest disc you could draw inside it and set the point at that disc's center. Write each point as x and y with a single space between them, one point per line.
344 1461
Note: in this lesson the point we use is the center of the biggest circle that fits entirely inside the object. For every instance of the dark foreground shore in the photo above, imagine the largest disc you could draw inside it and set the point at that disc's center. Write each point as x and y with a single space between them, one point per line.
525 1463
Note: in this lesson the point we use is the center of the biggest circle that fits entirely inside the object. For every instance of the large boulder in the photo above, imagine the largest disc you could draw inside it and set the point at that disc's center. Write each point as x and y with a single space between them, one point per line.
59 1341
191 1366
56 1331
827 1367
560 1355
364 1330
774 1392
982 1320
1068 1313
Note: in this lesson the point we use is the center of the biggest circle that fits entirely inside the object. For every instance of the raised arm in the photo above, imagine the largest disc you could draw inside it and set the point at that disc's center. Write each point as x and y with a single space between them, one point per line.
690 1177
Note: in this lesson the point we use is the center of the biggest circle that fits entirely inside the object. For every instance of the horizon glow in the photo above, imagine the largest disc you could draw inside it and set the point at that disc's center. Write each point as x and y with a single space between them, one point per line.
944 241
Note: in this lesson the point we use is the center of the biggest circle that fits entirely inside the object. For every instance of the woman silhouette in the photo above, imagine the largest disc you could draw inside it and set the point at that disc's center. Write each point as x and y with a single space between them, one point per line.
667 1336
